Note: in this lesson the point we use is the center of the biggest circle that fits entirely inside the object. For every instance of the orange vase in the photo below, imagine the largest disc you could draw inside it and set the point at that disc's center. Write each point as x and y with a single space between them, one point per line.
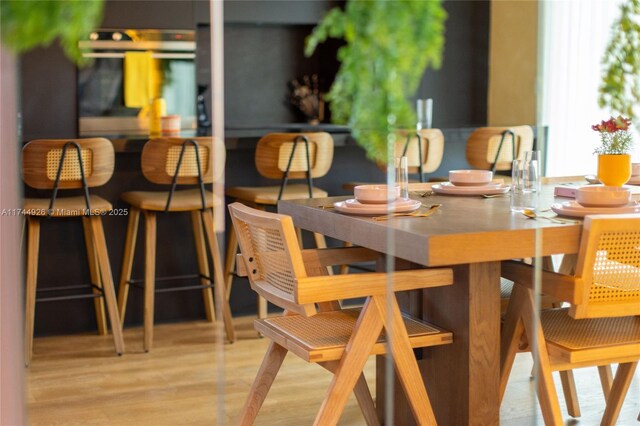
614 169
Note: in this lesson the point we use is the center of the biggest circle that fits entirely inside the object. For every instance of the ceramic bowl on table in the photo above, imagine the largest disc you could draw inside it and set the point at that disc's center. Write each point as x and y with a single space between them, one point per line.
376 194
603 196
470 177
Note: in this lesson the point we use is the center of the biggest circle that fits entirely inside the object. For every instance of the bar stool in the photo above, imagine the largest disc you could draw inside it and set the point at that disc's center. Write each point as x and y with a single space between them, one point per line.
283 156
494 148
424 150
63 165
177 161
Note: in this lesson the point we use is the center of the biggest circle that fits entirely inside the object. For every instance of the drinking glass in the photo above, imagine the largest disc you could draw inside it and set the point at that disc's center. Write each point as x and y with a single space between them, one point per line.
525 182
402 176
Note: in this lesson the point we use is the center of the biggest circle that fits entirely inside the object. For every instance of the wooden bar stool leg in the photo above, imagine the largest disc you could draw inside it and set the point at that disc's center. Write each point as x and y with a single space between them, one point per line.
94 272
606 379
230 261
222 309
33 243
127 260
149 276
100 247
203 264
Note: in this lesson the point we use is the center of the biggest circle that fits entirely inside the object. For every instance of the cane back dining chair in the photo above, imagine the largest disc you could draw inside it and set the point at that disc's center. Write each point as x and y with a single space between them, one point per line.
284 157
424 150
58 164
177 161
340 340
602 325
494 148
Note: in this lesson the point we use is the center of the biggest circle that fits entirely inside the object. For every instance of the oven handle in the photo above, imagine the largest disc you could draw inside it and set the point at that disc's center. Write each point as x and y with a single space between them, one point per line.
154 55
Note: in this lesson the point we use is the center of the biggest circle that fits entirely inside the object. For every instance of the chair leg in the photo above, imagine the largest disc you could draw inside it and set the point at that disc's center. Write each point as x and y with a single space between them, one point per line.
362 393
570 394
262 383
223 311
365 334
547 394
203 264
405 362
321 243
94 272
512 333
344 269
230 261
606 379
31 278
149 276
619 389
100 247
127 260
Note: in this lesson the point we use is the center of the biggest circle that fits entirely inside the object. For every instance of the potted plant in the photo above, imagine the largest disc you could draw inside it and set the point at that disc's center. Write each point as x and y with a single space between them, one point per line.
389 44
614 160
29 24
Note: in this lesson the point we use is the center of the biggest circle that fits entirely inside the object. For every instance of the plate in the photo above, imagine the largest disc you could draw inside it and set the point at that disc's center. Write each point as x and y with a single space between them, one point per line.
352 203
572 208
449 189
352 206
475 185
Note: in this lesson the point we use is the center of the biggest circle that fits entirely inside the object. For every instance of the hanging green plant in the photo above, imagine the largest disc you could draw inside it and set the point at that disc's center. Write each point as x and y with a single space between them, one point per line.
389 44
620 87
25 24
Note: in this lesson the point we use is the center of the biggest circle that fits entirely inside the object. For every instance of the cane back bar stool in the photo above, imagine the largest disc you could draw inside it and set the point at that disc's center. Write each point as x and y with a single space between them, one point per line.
601 327
282 156
177 161
424 150
340 340
495 148
64 165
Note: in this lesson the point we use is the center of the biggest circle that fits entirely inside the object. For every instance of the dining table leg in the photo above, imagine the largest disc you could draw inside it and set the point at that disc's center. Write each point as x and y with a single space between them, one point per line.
463 378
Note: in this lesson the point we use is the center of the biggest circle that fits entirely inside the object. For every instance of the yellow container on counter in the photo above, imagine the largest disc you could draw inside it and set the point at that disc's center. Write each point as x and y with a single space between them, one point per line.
158 109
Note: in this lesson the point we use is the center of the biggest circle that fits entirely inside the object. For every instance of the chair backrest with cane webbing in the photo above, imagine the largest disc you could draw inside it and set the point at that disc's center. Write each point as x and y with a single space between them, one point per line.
272 256
41 161
486 144
608 267
275 153
160 159
429 153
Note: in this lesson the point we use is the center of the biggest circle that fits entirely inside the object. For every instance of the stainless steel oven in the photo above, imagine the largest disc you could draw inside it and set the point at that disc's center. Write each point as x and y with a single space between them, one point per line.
101 84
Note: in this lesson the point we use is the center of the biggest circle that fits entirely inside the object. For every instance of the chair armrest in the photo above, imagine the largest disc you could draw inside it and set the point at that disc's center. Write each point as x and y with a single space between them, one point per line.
338 256
338 287
241 268
560 286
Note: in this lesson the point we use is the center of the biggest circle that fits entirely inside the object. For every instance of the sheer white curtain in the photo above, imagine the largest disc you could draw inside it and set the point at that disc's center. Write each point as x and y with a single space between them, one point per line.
575 35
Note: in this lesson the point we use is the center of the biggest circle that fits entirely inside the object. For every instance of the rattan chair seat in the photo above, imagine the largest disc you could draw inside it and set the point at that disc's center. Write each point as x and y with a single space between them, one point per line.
185 200
563 331
66 207
269 194
308 338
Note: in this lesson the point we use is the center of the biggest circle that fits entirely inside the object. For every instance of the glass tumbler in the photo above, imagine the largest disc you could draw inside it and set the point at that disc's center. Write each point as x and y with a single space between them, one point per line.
525 182
402 176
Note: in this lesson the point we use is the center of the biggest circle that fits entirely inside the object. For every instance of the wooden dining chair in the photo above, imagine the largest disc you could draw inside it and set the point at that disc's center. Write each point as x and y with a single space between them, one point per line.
283 157
340 340
177 161
61 165
602 324
494 148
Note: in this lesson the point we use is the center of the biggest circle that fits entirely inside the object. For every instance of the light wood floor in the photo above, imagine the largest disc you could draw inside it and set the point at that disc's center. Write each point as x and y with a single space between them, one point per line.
189 378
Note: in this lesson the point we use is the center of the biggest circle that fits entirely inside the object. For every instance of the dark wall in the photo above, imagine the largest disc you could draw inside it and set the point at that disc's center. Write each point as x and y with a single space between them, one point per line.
263 51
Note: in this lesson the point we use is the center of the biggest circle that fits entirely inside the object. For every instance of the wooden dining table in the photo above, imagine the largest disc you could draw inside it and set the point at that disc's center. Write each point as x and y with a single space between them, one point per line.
473 235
